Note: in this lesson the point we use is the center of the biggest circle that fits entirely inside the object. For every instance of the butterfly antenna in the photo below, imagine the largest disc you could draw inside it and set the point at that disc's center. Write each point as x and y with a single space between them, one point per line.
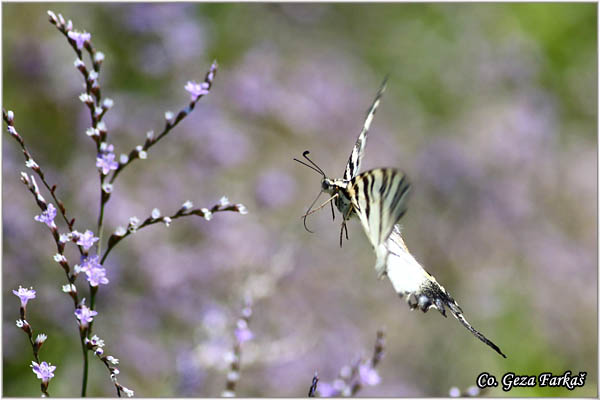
317 168
314 166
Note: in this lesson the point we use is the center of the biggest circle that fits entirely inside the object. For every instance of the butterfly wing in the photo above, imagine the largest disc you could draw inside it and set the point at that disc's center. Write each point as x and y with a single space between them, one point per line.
379 199
419 288
353 165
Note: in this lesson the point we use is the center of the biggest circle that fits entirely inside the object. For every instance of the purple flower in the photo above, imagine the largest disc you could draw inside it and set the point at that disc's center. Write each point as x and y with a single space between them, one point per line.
196 89
368 375
44 371
86 239
25 295
80 38
242 333
88 263
327 390
106 162
85 315
96 275
47 216
95 272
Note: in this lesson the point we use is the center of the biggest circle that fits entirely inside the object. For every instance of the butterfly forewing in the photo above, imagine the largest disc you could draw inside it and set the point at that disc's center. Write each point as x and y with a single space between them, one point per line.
353 165
379 198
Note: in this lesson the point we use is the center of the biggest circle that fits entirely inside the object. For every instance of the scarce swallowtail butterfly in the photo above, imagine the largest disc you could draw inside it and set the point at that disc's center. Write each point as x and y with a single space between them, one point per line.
378 198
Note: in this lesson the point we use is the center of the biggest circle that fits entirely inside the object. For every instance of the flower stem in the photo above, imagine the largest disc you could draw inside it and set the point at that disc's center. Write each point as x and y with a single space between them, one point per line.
85 367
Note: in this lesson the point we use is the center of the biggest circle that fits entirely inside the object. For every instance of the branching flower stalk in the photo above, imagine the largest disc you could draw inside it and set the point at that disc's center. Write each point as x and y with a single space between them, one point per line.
186 210
43 370
92 265
241 334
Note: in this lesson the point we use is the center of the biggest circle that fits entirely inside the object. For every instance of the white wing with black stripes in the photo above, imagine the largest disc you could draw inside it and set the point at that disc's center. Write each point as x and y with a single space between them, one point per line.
379 199
353 165
419 288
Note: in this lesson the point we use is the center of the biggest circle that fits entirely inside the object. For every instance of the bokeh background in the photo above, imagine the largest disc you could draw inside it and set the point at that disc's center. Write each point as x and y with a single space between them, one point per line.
491 110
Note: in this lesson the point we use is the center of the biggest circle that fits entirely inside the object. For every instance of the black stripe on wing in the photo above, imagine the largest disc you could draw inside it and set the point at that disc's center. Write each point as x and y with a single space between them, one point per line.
379 197
353 165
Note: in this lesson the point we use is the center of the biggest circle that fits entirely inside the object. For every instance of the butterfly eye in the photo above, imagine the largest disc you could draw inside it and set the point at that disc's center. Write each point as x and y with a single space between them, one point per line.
325 185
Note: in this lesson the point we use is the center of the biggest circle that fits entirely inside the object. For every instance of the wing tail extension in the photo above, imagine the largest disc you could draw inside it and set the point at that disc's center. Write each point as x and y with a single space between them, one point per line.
419 288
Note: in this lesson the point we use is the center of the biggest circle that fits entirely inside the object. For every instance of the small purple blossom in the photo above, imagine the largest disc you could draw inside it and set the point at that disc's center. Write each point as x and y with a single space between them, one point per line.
44 371
47 216
85 315
88 263
25 295
86 239
106 162
95 272
96 276
80 38
368 375
242 333
197 89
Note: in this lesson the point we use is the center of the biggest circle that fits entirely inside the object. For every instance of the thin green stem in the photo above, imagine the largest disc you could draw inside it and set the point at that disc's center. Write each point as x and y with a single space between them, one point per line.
85 367
103 201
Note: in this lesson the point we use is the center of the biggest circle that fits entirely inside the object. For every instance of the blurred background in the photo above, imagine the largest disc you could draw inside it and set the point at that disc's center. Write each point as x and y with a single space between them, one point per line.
491 110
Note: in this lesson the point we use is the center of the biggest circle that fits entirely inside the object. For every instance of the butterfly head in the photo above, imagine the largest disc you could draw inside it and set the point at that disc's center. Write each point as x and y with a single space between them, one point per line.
332 186
327 185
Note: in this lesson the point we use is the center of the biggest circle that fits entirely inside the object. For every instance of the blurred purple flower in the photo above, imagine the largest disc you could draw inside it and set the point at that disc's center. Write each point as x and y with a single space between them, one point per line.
368 375
197 89
86 240
275 188
327 390
106 162
242 333
25 295
85 315
47 216
80 38
44 371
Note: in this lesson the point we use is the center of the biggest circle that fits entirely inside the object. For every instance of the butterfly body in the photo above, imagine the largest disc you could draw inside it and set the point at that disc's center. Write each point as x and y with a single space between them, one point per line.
378 197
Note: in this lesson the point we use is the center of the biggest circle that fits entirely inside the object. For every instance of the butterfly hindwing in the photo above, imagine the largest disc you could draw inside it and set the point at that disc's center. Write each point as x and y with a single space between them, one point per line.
420 289
379 198
353 165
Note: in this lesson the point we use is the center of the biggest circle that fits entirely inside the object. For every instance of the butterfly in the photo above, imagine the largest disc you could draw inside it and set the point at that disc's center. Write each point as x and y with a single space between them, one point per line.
378 198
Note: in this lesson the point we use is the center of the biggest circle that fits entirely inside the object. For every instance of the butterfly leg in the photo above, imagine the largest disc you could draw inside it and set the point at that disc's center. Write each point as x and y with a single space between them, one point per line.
344 227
